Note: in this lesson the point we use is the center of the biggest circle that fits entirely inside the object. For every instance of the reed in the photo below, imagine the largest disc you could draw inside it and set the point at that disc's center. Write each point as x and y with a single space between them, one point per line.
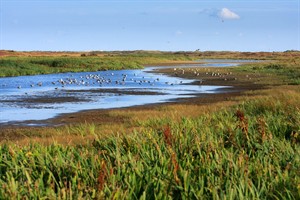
245 151
244 148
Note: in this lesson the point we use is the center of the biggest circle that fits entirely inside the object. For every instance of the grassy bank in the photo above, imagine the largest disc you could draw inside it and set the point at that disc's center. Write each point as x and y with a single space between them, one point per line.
285 71
29 65
249 150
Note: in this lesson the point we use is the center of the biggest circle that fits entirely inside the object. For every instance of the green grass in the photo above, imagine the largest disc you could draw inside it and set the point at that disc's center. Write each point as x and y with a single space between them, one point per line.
287 71
247 151
16 66
44 65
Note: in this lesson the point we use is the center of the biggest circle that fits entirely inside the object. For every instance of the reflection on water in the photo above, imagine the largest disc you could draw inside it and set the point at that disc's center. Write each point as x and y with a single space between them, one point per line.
45 96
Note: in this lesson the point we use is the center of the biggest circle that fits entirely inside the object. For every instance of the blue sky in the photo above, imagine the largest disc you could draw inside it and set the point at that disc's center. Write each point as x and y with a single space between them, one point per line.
85 25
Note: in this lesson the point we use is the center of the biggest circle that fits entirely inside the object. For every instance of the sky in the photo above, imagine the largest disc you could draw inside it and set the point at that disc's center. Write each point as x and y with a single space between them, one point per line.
166 25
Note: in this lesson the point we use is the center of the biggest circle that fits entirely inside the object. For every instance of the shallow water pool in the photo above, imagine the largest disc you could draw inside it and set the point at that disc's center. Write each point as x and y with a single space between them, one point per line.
42 97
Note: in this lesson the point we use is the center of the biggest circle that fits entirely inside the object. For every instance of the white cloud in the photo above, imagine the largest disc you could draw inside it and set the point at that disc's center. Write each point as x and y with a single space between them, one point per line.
225 13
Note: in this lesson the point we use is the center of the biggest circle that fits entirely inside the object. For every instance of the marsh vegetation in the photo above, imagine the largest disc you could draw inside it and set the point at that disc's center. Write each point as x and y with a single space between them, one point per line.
241 147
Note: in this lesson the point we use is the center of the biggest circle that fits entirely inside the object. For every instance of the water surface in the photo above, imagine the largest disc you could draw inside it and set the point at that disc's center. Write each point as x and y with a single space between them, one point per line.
42 97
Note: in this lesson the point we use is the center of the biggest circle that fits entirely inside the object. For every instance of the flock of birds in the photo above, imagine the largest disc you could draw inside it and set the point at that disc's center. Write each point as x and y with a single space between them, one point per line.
207 73
97 80
122 79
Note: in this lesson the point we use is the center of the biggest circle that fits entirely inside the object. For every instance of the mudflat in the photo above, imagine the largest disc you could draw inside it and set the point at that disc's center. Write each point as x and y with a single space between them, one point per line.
238 82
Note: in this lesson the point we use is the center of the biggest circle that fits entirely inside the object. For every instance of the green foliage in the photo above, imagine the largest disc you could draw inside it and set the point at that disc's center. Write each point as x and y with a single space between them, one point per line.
17 66
287 70
44 65
248 151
